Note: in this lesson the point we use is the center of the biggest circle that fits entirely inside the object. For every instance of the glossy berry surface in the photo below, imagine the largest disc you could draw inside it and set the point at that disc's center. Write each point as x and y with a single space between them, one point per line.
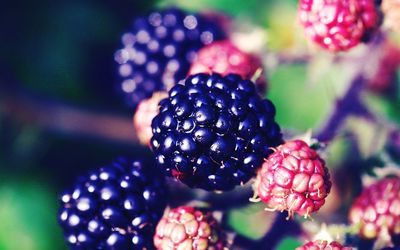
190 229
114 207
145 112
340 24
224 57
323 245
378 207
294 178
213 132
158 50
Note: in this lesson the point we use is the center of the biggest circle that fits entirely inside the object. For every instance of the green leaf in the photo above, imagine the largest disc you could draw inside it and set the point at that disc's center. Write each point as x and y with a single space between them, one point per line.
300 105
251 221
288 243
337 152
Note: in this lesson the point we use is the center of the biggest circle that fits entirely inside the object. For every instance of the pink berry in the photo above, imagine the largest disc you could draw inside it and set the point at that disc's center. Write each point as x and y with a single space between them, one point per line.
188 228
224 57
338 25
391 10
293 178
378 208
323 245
145 112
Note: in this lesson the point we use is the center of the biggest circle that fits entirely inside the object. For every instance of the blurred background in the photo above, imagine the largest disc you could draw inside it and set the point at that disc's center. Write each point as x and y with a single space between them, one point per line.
60 114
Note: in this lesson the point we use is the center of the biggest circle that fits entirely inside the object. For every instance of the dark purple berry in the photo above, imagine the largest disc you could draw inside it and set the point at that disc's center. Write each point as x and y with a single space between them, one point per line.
158 50
222 130
115 207
116 241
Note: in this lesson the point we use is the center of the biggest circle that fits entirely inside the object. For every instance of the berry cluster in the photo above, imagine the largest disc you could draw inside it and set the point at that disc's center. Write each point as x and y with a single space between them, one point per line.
339 25
114 207
213 132
189 228
158 50
294 178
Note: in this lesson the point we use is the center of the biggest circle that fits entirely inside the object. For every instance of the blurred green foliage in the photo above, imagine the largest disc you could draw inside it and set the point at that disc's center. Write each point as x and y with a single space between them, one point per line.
28 216
254 10
288 243
247 220
299 104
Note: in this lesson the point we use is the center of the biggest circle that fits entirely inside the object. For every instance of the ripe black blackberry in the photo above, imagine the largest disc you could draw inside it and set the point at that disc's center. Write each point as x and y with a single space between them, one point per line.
114 207
213 132
158 50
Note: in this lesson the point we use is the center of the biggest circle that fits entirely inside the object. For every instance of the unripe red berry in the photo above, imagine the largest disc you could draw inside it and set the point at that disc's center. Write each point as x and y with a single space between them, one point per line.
224 57
339 25
294 178
188 228
378 209
145 112
323 245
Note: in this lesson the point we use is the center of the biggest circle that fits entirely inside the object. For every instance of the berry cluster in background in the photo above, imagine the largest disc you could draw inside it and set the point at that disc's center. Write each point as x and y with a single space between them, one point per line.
199 106
159 49
203 124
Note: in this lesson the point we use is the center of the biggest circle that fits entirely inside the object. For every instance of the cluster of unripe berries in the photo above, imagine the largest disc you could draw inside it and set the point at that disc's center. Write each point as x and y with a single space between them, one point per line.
209 127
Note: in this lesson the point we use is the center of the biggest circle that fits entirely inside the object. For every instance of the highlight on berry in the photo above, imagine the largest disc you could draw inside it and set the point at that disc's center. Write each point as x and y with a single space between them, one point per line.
213 131
158 50
114 207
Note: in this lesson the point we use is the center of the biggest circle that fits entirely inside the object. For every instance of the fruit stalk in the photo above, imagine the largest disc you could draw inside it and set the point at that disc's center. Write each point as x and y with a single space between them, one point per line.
350 103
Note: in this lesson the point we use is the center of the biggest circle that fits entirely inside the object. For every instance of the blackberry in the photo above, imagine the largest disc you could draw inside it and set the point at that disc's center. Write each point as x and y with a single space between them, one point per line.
213 132
158 50
114 207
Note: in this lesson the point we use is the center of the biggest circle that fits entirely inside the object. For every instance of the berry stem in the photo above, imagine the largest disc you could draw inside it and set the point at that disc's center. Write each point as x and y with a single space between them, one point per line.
23 107
351 103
